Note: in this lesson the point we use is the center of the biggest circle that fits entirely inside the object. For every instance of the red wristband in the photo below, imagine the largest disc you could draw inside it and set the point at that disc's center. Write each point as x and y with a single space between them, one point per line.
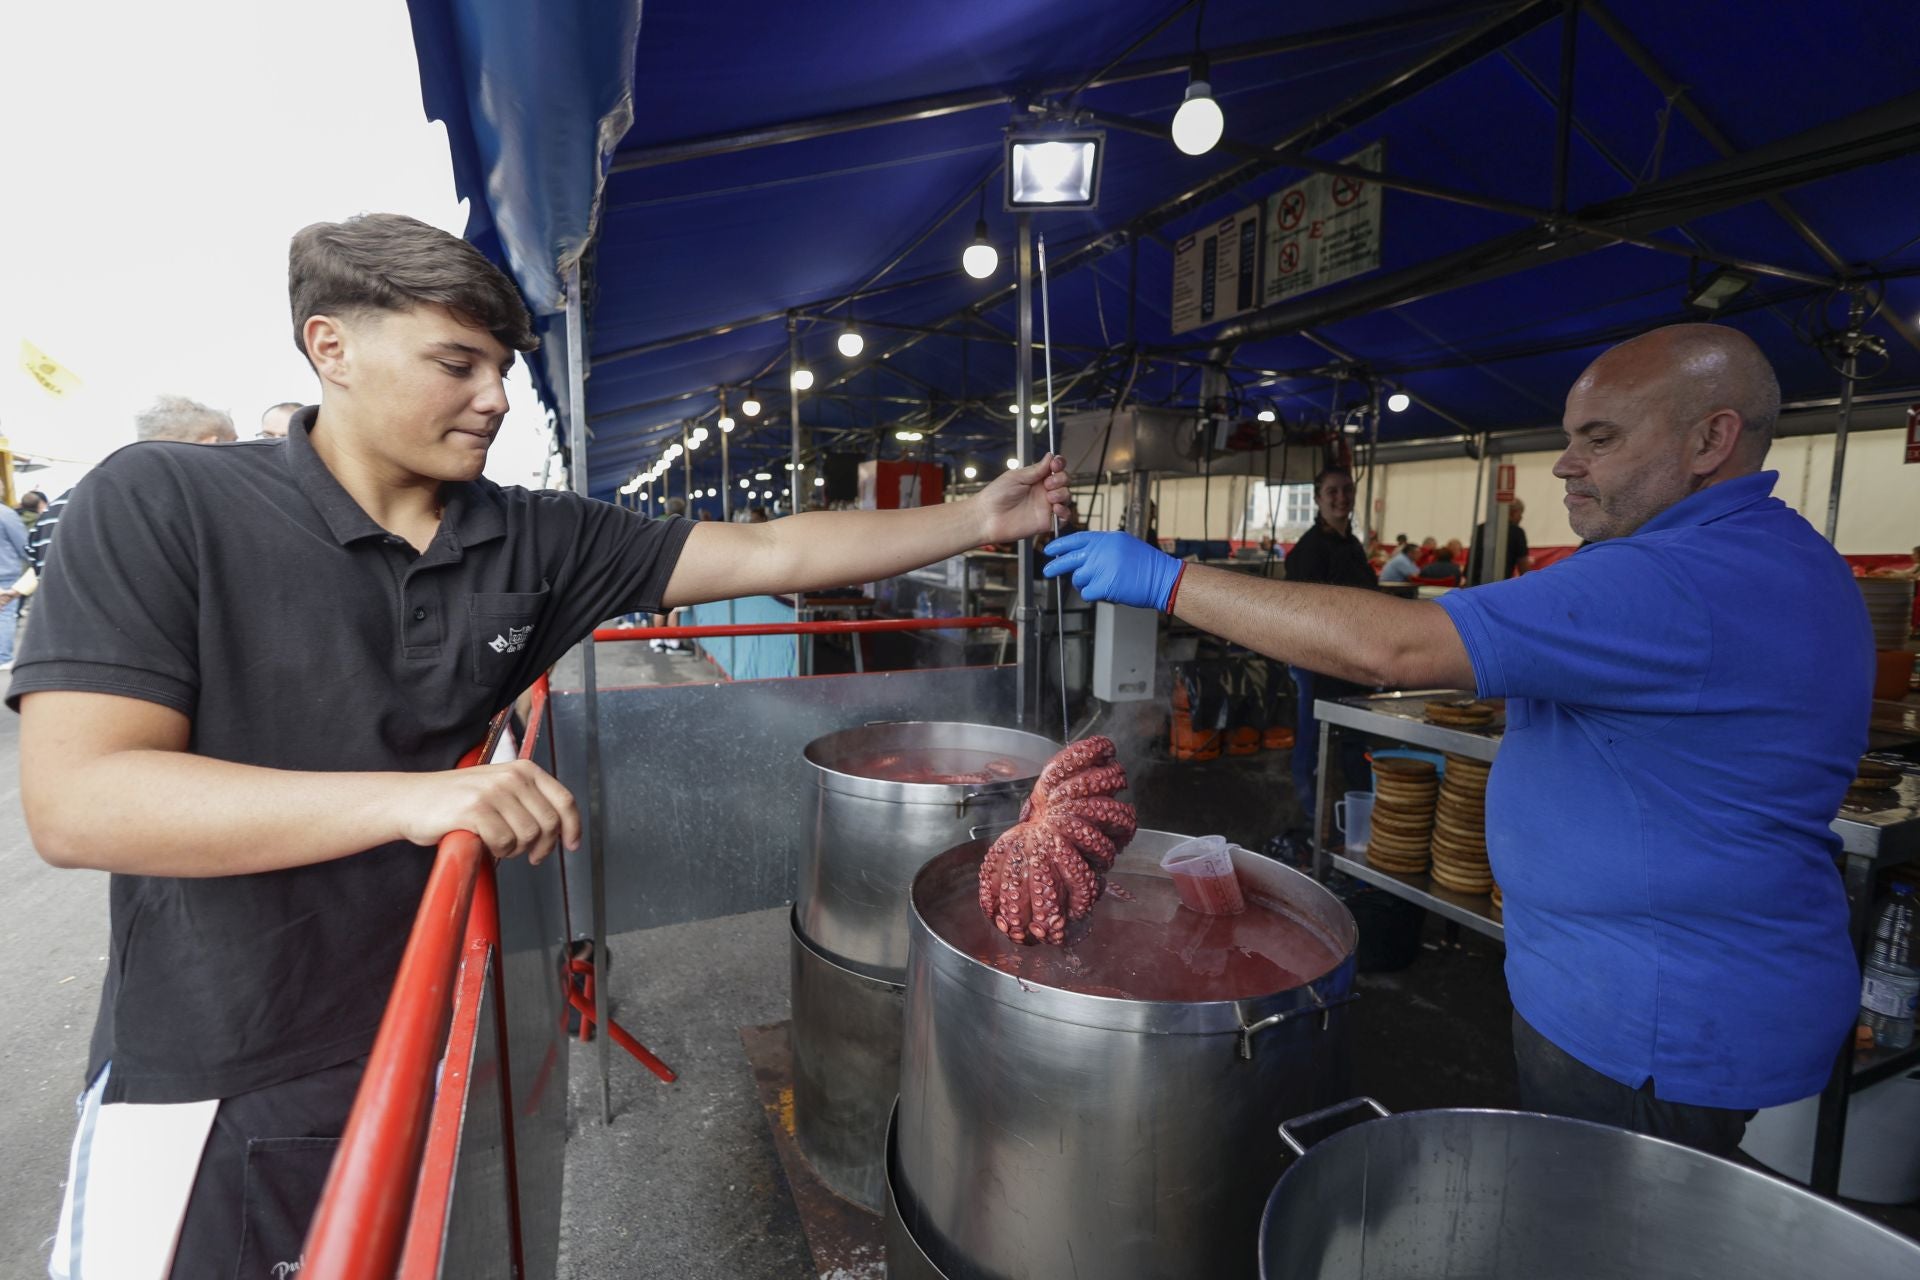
1175 593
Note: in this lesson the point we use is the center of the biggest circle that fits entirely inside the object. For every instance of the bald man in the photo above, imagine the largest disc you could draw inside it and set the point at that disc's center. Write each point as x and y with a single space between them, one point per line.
1677 743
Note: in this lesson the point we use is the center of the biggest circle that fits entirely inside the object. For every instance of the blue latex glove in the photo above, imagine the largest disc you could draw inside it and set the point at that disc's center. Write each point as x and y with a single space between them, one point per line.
1116 567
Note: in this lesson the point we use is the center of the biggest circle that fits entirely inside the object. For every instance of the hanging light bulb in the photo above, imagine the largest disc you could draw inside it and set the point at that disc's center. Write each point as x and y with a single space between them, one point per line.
1014 407
751 405
1012 463
1265 415
1399 401
969 471
802 378
763 476
725 423
1198 124
700 434
850 342
746 484
693 442
819 482
980 259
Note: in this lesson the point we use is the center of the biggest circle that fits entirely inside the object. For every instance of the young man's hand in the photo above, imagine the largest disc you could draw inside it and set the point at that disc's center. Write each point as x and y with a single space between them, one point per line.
1023 503
514 808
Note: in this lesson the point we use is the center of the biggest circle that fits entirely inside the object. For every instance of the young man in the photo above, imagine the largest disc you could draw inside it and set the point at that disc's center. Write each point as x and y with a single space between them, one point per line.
251 672
1676 743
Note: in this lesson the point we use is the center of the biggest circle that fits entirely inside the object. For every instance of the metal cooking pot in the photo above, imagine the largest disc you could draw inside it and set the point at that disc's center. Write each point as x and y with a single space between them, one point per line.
1510 1195
1045 1133
870 836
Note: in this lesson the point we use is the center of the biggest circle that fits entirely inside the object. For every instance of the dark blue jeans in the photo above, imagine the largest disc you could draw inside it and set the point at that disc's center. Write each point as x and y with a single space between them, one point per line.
1306 739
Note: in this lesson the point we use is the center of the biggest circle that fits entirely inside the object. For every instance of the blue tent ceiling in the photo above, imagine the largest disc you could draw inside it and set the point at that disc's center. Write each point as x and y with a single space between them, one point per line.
697 258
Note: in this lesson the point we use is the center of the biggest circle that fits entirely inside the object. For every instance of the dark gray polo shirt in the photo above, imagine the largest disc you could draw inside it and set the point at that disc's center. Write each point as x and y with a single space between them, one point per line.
240 585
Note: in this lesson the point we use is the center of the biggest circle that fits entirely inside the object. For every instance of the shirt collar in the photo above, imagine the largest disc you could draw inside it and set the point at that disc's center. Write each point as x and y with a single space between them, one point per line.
1714 502
471 511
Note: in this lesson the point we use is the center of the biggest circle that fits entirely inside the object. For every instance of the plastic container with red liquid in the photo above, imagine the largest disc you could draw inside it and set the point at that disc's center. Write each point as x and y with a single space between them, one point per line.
1203 876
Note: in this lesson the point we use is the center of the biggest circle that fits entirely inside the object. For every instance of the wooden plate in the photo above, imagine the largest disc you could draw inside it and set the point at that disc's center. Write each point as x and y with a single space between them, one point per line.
1405 767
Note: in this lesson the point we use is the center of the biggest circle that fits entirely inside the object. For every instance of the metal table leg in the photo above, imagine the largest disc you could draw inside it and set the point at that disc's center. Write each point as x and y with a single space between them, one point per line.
1830 1130
1322 791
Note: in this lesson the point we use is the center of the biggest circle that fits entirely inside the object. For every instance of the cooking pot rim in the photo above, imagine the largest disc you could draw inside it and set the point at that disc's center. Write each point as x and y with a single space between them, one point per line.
829 778
1116 1013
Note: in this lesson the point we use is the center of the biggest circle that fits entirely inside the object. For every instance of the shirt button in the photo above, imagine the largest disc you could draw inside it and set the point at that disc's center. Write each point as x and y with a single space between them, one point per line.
419 615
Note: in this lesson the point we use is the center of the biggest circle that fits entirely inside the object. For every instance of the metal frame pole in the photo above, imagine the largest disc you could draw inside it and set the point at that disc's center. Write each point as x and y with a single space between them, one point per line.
1856 312
1563 143
726 472
793 449
596 808
1368 534
1022 452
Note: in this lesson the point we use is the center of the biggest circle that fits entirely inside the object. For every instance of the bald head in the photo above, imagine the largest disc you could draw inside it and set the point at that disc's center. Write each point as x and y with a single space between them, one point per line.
1690 371
1661 417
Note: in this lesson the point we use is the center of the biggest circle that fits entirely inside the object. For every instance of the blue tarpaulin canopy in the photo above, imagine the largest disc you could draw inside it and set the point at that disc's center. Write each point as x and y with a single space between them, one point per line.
723 168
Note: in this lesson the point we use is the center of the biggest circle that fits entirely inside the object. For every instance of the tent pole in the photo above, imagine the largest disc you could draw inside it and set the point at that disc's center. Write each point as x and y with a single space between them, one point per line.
1852 341
793 456
596 808
1022 452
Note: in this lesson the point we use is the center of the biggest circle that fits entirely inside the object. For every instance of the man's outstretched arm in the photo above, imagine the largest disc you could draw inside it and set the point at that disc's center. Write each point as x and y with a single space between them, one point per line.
1363 636
834 548
108 783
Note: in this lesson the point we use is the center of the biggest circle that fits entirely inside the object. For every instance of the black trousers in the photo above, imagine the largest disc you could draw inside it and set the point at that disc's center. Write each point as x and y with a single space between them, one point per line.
1555 1082
260 1177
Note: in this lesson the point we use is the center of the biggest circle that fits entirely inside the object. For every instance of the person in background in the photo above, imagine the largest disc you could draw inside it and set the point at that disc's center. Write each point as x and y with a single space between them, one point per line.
167 418
1444 568
1911 569
31 505
1480 570
13 563
1429 548
1327 553
1400 567
1676 744
273 423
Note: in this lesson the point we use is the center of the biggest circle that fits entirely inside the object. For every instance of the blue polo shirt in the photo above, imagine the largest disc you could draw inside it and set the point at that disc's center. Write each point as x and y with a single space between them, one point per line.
1685 708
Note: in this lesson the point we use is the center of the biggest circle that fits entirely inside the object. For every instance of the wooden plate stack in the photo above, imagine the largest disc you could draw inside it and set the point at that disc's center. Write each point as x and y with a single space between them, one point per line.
1404 792
1460 713
1460 828
1872 775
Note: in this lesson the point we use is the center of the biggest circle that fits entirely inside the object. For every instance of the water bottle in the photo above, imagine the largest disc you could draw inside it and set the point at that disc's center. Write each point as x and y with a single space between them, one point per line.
1890 988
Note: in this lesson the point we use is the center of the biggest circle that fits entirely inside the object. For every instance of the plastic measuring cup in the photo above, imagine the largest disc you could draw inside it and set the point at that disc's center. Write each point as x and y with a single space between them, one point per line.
1203 876
1354 817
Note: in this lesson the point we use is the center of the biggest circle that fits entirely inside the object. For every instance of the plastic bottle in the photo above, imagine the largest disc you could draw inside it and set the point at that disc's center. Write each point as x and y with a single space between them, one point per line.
1891 985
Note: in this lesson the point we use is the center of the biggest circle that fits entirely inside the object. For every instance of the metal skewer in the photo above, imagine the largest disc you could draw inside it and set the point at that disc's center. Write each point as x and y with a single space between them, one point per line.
1059 587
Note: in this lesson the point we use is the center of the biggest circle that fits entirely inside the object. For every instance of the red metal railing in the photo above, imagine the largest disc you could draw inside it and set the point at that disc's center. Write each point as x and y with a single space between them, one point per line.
362 1221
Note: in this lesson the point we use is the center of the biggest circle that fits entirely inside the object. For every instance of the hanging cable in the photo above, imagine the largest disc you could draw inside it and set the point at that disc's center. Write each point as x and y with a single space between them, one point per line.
1053 447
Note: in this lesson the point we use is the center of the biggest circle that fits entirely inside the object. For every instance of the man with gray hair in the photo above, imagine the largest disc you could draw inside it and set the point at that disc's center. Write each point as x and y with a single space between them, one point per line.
168 418
1676 743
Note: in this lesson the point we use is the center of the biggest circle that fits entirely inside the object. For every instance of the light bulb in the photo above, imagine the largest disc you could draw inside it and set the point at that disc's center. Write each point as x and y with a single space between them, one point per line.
1399 401
785 492
969 471
746 484
1198 124
787 466
1012 463
819 481
1265 415
750 406
701 434
763 476
693 442
725 424
851 343
1013 408
980 259
802 378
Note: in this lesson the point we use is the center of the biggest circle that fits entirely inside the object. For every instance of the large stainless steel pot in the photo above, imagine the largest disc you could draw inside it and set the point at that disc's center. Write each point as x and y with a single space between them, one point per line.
1045 1133
1508 1195
846 1070
870 837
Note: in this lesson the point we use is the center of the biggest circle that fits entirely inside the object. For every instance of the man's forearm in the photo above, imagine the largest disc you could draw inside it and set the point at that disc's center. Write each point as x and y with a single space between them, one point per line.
1364 636
170 813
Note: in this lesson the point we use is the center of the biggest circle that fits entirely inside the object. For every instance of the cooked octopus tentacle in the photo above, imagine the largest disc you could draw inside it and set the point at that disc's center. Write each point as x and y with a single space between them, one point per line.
1048 869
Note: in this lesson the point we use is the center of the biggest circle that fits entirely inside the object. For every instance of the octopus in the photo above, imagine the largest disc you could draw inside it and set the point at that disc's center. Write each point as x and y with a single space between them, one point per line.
1049 869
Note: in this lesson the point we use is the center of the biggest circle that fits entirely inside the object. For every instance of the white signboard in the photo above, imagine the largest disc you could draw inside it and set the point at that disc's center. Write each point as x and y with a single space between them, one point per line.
1216 272
1321 231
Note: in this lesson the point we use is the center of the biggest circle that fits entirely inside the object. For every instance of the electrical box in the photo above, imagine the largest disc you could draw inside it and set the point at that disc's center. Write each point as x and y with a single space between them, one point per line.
1125 643
894 486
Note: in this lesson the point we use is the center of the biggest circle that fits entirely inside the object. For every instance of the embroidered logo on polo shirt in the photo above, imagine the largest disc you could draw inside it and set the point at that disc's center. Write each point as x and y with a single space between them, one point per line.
513 641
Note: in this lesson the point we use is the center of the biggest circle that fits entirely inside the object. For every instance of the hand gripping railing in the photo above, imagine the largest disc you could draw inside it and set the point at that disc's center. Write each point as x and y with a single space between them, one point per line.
380 1196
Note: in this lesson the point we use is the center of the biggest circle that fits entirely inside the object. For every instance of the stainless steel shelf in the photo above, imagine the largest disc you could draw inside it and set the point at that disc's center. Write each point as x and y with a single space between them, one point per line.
1403 716
1883 1064
1883 825
1476 912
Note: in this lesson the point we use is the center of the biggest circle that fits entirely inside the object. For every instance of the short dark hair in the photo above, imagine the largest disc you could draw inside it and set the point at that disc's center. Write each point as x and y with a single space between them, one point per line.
1444 555
1321 478
31 494
390 262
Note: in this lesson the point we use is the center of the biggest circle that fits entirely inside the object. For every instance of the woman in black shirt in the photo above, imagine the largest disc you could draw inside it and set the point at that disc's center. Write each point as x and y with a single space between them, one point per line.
1327 553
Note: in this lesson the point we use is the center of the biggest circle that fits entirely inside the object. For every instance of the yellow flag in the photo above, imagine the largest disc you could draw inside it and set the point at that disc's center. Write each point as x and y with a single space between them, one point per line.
55 378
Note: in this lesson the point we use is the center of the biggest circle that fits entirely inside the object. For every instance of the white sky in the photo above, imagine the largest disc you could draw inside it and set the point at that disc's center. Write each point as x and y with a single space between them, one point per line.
160 157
